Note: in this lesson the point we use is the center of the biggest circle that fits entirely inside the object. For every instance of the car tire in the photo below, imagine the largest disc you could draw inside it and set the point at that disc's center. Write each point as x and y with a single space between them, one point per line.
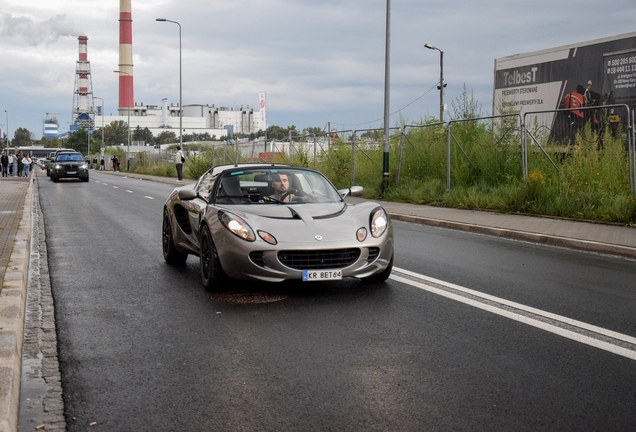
382 276
212 274
54 178
84 179
170 252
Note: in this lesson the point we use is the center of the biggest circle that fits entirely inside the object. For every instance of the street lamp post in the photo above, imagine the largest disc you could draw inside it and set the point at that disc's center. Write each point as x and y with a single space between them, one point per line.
387 111
128 105
101 147
7 113
180 84
441 80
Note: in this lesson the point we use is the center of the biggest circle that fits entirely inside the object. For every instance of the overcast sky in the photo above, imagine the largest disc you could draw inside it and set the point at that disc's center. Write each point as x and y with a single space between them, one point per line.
318 61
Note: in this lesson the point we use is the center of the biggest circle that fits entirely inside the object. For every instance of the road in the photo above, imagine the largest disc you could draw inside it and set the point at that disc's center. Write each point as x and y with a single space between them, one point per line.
142 346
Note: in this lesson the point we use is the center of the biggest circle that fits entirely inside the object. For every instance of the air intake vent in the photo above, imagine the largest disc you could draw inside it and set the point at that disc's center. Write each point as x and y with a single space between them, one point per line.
319 259
373 254
181 214
257 258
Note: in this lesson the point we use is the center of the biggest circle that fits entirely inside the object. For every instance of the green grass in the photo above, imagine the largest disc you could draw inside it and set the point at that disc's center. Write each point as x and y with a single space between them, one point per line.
587 183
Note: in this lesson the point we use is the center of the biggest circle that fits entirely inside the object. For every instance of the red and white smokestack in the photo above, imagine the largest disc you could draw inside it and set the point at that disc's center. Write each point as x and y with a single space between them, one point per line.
82 73
126 88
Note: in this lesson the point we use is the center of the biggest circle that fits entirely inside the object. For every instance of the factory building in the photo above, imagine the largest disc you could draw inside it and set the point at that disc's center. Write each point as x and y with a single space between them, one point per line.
197 119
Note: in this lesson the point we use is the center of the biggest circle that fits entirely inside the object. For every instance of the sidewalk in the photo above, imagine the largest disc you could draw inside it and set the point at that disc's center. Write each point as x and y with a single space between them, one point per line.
15 228
15 240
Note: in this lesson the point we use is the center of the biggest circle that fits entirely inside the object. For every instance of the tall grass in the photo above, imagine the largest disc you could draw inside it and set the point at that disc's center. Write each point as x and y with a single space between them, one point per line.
486 173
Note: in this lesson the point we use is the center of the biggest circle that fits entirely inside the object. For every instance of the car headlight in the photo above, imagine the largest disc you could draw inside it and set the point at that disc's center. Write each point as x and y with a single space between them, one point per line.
237 226
83 166
58 166
267 237
379 222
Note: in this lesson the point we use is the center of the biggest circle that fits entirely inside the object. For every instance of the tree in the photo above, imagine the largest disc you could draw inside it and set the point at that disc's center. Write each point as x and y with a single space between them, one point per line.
50 142
167 137
465 107
116 133
312 131
143 135
78 141
21 137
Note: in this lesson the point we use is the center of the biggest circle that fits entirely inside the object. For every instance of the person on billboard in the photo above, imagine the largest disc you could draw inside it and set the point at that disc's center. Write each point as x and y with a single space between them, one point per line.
591 99
576 117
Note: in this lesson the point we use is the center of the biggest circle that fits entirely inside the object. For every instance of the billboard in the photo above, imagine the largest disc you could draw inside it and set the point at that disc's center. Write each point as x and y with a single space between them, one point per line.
598 72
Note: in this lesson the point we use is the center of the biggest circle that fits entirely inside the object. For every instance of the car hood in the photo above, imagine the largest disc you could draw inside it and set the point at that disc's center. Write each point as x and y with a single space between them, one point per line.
303 223
294 211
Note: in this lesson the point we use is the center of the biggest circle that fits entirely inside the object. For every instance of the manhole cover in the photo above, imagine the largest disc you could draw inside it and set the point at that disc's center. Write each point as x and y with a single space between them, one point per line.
248 297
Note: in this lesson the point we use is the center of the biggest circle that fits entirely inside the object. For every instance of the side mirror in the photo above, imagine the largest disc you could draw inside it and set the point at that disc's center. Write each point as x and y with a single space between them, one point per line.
354 191
187 194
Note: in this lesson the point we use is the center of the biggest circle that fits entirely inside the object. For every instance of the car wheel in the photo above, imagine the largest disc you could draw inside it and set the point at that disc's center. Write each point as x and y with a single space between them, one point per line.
382 276
170 253
212 274
54 178
85 179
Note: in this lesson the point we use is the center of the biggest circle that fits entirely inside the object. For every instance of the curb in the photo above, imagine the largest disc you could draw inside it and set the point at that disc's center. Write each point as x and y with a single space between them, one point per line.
12 310
544 239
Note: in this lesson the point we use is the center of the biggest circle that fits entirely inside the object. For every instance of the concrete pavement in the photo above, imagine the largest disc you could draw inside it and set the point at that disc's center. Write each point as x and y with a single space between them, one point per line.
15 239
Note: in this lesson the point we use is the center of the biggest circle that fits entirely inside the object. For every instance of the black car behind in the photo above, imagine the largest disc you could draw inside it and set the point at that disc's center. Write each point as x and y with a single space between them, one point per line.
69 165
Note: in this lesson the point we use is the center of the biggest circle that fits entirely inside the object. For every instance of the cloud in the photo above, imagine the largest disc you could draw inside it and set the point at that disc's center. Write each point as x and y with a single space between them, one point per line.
22 30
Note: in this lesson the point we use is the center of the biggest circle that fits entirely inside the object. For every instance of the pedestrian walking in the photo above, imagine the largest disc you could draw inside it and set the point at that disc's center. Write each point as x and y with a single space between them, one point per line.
4 160
18 165
102 162
11 161
95 163
26 165
179 160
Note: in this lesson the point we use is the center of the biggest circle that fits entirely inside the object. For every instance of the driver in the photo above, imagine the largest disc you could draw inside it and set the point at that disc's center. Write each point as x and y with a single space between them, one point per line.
280 184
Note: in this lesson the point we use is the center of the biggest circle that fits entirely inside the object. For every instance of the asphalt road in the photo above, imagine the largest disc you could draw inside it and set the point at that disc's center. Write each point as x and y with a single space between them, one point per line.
143 347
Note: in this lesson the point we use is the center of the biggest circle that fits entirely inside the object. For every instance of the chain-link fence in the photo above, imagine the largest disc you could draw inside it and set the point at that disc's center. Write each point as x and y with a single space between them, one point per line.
486 151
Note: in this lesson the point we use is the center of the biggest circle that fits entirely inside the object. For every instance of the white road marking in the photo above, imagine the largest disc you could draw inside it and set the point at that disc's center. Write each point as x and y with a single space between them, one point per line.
115 187
448 288
129 191
149 197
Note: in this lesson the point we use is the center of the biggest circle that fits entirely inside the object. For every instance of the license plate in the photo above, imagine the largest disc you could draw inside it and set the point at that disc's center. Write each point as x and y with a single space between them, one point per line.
71 172
321 275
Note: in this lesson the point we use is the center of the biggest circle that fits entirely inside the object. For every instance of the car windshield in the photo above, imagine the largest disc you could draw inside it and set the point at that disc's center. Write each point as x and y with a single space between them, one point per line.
270 185
74 157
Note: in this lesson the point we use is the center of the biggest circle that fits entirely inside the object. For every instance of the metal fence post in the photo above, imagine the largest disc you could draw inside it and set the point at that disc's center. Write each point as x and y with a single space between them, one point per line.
353 158
448 156
315 150
399 165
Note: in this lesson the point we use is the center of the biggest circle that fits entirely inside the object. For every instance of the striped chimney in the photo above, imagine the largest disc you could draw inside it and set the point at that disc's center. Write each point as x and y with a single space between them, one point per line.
126 88
82 73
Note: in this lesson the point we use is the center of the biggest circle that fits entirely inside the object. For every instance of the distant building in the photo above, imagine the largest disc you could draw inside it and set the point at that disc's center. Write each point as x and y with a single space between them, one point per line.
50 127
199 119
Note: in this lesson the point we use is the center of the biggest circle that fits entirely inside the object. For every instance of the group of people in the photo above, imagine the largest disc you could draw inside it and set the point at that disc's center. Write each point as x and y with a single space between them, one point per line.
16 164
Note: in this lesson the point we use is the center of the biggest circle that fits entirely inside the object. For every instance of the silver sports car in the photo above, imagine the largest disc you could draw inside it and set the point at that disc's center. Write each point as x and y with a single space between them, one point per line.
273 223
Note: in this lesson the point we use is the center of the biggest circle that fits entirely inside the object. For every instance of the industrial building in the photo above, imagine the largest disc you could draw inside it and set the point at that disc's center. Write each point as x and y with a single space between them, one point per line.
196 118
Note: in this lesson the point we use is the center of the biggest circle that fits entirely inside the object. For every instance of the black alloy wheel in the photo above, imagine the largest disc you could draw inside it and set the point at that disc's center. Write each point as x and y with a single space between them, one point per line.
212 275
170 252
